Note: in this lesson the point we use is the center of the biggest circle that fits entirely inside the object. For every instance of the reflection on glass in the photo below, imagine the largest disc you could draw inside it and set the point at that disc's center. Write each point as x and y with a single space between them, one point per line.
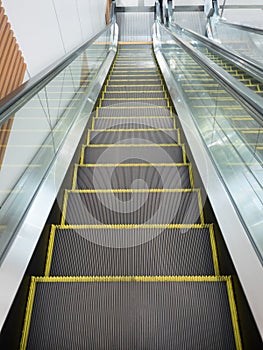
246 44
232 136
37 132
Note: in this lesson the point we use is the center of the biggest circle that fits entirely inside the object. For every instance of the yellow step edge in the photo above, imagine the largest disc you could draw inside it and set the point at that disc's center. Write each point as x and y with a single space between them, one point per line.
129 164
133 92
101 145
133 130
234 316
177 165
214 250
137 117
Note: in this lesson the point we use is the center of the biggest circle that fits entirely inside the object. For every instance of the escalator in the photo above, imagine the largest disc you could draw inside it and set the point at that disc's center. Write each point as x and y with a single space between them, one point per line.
133 264
245 70
203 92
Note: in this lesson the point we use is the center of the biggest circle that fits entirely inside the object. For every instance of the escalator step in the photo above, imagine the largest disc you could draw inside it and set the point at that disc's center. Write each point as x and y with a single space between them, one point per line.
132 154
135 95
126 88
136 136
134 81
131 251
153 313
177 176
134 123
134 102
137 72
128 207
150 111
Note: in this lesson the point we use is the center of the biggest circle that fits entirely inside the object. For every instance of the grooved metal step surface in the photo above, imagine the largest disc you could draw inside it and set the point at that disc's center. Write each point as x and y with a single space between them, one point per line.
72 314
135 111
125 177
135 95
149 154
125 88
131 81
136 136
131 252
135 102
122 72
134 123
116 207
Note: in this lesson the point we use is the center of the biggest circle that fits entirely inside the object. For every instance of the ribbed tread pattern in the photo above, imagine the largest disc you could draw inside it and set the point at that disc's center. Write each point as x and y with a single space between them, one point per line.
124 208
134 137
127 177
150 154
134 123
127 88
131 252
128 95
122 111
131 315
134 102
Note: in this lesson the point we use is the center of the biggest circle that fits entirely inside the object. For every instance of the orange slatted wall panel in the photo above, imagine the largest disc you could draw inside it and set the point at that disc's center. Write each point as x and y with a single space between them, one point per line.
12 71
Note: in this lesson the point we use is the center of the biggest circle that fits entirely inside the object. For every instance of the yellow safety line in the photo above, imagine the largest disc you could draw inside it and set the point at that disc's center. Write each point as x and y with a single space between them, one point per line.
184 153
133 92
75 171
191 175
233 312
132 279
133 226
29 309
134 130
82 154
50 250
64 208
88 137
130 164
135 117
200 204
133 107
111 145
136 190
214 250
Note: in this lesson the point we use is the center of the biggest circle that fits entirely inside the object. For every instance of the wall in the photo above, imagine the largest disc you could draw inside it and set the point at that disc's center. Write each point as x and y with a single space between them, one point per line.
47 29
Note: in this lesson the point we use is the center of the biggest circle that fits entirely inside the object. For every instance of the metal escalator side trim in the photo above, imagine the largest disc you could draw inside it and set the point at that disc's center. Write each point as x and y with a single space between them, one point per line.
50 250
28 314
234 315
214 250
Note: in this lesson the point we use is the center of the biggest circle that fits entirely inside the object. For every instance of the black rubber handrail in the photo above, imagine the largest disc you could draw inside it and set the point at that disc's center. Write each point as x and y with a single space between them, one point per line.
247 98
250 66
17 98
244 27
